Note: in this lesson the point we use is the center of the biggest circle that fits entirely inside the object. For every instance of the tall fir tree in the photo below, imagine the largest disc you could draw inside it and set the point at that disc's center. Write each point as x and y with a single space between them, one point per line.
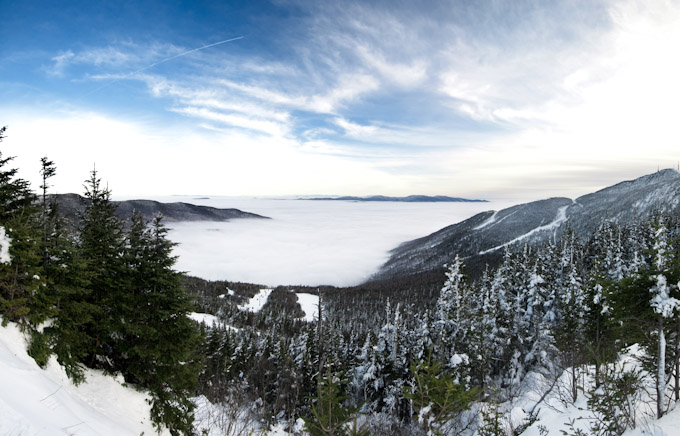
20 281
160 347
664 306
102 245
67 284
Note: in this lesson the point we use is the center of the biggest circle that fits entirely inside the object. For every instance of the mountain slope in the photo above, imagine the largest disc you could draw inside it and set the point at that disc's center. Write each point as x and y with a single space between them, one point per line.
482 238
71 204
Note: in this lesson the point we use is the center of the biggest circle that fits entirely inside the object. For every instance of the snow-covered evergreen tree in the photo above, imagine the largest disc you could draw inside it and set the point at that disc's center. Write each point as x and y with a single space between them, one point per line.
663 305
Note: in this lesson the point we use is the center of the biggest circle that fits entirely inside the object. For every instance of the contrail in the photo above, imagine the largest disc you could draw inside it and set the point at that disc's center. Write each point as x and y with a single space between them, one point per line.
186 53
163 61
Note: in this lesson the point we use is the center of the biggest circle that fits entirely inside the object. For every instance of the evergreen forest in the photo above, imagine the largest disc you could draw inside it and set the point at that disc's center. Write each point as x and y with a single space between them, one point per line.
380 359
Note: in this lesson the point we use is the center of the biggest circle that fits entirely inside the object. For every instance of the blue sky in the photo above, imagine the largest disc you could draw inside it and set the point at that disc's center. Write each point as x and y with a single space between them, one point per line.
490 99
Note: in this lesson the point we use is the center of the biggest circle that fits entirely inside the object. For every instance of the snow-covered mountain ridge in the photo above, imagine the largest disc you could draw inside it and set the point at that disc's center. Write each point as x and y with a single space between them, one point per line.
481 238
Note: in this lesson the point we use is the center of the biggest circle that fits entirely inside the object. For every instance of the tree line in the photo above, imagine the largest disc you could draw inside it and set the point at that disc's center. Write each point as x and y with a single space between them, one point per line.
104 295
407 365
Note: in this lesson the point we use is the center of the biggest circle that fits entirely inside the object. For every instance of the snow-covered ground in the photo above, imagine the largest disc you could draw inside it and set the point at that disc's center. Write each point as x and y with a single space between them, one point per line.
205 318
4 246
309 304
256 303
210 321
555 411
41 402
35 401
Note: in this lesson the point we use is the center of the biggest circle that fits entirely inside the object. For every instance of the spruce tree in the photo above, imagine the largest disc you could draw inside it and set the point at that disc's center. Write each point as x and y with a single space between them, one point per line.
452 314
330 414
436 396
20 281
571 332
160 340
68 287
101 245
664 306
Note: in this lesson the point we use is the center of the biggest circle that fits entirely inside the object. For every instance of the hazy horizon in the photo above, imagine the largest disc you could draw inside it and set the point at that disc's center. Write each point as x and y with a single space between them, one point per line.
486 99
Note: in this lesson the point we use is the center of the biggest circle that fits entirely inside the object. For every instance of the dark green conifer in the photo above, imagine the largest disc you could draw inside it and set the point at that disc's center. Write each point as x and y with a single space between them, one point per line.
160 340
101 245
67 285
20 278
330 413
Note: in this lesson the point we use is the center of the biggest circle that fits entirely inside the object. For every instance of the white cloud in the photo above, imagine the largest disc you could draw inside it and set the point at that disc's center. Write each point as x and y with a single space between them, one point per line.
138 158
355 130
347 89
338 243
581 90
263 126
99 57
399 73
61 62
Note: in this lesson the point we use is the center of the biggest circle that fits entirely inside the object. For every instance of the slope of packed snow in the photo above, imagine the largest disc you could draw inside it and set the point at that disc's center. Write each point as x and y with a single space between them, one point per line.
488 222
210 321
256 303
34 401
309 304
555 224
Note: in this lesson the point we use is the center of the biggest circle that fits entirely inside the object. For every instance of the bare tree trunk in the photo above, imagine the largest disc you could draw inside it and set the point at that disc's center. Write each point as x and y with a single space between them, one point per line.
676 389
597 353
574 385
319 331
660 371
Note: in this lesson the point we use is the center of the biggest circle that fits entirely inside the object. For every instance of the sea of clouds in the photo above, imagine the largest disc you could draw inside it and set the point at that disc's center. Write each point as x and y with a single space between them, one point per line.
306 242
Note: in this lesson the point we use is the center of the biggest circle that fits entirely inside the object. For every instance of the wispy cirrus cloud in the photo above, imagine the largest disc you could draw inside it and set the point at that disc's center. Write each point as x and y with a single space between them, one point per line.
453 87
107 57
236 120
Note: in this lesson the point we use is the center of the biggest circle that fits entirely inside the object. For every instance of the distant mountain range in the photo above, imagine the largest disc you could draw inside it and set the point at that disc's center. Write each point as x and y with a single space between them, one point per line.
409 199
71 204
481 240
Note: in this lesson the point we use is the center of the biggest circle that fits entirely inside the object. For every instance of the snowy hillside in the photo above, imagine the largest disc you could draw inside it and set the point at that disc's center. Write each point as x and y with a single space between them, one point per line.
34 401
557 415
482 238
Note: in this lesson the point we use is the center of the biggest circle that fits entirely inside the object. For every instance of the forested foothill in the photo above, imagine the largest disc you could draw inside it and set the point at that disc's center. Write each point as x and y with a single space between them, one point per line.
384 358
557 317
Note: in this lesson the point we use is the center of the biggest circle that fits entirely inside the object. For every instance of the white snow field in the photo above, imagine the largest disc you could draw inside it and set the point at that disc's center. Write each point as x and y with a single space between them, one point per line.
256 303
309 304
210 321
555 412
205 318
44 402
559 219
